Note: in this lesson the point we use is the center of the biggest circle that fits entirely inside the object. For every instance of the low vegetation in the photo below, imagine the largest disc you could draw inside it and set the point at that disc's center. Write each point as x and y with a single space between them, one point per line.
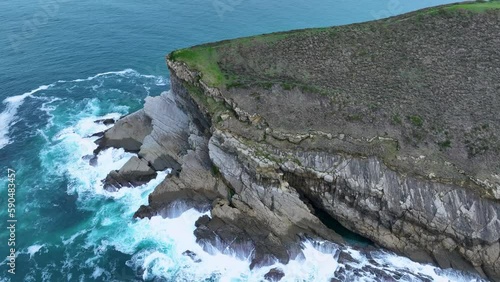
428 80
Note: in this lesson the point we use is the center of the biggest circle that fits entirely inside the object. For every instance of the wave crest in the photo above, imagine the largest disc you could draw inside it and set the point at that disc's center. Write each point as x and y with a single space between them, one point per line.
9 118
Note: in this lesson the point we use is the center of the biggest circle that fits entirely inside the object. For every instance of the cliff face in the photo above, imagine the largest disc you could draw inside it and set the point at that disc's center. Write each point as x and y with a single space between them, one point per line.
426 220
389 127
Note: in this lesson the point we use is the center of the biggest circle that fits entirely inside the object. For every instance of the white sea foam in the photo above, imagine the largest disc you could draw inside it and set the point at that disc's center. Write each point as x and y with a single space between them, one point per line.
47 275
159 80
8 116
176 236
120 73
32 250
48 107
72 238
97 272
75 139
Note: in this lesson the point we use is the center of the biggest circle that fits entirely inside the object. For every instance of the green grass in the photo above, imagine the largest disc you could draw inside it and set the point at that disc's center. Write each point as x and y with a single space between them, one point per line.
445 144
204 59
416 120
287 86
354 118
477 6
214 108
396 118
215 170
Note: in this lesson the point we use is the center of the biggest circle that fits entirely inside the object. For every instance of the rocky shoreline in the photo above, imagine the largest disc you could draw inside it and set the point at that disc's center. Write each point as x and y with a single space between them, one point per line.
241 154
240 220
265 208
420 218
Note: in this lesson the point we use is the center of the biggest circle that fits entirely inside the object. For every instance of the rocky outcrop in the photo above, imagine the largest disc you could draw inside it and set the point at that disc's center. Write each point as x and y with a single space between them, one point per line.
145 132
261 218
135 172
270 212
167 142
265 152
278 174
195 184
263 195
178 142
424 220
128 133
266 224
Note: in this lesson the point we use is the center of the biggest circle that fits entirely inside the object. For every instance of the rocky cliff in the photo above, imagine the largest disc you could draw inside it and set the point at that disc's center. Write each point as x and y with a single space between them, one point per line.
389 127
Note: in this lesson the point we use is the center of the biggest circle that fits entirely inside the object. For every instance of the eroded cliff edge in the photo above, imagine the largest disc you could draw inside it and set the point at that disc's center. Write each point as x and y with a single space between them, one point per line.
390 127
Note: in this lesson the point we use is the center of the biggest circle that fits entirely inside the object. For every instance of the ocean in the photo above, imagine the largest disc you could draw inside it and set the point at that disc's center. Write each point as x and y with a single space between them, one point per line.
65 64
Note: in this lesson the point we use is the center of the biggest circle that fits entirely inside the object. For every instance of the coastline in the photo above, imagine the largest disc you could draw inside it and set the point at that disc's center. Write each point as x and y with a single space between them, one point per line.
263 178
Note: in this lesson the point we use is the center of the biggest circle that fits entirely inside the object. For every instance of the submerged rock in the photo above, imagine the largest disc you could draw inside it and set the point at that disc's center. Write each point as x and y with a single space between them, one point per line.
192 255
274 275
106 121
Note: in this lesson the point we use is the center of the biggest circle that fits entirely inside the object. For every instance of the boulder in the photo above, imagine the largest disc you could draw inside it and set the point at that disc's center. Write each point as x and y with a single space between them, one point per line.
274 275
128 133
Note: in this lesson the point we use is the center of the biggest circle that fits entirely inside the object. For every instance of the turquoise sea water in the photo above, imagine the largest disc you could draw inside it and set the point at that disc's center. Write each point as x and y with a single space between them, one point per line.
65 64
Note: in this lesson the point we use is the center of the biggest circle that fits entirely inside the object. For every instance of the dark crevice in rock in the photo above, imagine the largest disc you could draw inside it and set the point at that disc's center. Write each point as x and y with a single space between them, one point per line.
229 188
348 235
325 218
164 162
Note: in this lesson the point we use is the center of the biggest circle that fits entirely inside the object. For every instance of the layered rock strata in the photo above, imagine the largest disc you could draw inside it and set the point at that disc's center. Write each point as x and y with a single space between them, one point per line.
265 157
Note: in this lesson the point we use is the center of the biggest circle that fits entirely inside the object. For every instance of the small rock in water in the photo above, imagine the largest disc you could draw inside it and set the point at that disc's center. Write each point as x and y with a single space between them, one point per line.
274 275
106 121
93 161
87 157
144 211
192 255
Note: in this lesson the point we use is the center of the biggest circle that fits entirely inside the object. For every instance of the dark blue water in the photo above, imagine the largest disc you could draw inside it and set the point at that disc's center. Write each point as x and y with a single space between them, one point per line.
64 64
